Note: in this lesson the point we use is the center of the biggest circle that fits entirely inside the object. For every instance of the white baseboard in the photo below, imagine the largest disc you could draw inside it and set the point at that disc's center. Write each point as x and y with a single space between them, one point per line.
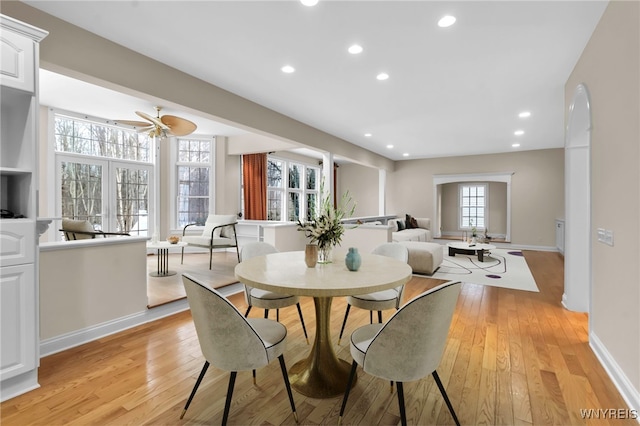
86 335
620 380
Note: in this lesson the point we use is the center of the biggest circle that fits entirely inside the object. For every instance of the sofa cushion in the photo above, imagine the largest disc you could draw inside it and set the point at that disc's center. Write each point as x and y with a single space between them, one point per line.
417 234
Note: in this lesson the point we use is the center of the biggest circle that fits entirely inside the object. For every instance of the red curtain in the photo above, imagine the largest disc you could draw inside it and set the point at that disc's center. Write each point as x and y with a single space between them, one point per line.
254 167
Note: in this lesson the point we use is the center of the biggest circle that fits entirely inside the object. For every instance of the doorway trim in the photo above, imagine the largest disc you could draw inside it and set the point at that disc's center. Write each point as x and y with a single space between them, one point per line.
439 180
577 277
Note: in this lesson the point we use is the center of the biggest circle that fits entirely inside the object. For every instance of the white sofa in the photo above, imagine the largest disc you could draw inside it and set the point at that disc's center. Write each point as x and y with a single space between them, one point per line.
400 232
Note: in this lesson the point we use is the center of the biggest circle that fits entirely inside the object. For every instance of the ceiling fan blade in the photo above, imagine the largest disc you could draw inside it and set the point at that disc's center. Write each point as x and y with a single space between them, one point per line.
178 126
133 123
153 120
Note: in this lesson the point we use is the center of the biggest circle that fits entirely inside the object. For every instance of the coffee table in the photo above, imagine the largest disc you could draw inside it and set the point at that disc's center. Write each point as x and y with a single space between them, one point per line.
472 249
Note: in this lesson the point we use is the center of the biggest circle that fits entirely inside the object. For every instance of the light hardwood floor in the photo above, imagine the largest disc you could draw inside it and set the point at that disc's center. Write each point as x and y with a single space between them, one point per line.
512 357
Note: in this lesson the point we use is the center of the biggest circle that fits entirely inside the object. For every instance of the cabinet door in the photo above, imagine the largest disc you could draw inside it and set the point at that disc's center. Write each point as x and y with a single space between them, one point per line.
17 241
17 64
17 320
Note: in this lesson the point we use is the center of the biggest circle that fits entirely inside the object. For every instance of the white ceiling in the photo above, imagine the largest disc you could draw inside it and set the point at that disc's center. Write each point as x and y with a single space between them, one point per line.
451 91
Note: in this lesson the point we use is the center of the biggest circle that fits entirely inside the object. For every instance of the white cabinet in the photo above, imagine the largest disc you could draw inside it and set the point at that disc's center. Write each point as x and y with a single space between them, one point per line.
19 323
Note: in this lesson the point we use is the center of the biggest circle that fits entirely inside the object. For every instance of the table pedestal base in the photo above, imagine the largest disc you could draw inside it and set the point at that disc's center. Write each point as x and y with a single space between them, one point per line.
321 374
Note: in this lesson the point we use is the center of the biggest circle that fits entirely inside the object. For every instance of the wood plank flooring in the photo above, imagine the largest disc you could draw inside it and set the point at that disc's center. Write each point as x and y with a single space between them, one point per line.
512 358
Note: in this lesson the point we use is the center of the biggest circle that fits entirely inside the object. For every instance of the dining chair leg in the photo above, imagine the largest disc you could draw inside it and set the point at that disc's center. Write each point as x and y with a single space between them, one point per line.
278 315
344 322
253 373
287 384
210 258
195 388
370 317
182 256
246 314
352 375
380 317
227 403
446 398
403 414
266 313
304 329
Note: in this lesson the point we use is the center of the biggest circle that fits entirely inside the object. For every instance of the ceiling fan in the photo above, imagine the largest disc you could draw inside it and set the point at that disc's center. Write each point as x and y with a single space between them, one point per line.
162 126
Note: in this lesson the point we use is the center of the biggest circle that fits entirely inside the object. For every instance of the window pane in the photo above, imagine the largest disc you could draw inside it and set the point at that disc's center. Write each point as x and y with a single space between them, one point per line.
193 195
294 176
293 208
274 173
81 192
311 205
274 205
97 139
311 178
132 200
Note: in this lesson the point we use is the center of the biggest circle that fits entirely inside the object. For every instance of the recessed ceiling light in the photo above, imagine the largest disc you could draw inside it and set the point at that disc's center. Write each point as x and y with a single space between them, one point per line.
406 154
524 114
446 21
309 2
288 69
515 145
355 49
519 132
382 76
367 135
389 146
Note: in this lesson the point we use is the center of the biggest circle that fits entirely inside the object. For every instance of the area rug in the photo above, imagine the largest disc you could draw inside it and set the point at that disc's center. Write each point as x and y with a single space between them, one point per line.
501 268
162 290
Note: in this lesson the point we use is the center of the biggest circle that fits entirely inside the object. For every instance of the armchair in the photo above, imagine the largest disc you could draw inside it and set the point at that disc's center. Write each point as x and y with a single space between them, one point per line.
77 229
219 232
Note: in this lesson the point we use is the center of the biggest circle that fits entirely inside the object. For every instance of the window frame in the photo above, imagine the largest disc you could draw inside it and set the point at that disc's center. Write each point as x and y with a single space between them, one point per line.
285 190
108 166
174 177
485 208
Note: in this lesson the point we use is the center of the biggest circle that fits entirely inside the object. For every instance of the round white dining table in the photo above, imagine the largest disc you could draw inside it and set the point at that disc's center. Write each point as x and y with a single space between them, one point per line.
321 374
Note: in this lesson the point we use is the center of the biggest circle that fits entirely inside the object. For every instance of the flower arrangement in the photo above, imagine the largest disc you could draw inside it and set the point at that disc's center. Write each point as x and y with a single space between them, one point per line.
326 228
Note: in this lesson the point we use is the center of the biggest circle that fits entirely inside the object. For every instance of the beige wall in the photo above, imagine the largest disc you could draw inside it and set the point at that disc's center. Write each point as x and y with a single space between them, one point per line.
362 183
537 189
609 67
84 284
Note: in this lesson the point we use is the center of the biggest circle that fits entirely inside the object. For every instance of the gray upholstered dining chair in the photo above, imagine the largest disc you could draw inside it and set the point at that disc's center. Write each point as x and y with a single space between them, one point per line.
267 299
380 300
409 345
232 342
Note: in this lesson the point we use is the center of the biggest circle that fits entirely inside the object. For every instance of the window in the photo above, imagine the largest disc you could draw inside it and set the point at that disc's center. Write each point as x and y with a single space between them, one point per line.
473 206
294 182
104 174
194 165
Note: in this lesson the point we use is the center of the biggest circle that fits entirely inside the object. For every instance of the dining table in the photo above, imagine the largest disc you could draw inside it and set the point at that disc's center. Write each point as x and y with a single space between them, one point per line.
321 374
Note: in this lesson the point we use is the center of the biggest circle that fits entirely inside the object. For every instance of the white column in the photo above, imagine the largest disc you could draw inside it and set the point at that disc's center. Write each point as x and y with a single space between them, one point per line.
382 190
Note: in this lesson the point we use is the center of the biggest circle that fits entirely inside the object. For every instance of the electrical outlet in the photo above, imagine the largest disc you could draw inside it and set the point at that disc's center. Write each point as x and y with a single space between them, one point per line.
601 235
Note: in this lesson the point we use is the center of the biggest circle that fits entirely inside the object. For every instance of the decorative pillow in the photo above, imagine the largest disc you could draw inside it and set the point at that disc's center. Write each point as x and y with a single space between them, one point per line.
208 227
400 223
409 221
414 222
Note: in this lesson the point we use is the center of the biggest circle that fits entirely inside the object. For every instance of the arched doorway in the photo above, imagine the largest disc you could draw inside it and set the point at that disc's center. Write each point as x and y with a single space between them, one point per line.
577 253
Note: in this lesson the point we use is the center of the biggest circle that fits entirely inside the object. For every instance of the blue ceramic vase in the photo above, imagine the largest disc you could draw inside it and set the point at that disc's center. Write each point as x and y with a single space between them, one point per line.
353 259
